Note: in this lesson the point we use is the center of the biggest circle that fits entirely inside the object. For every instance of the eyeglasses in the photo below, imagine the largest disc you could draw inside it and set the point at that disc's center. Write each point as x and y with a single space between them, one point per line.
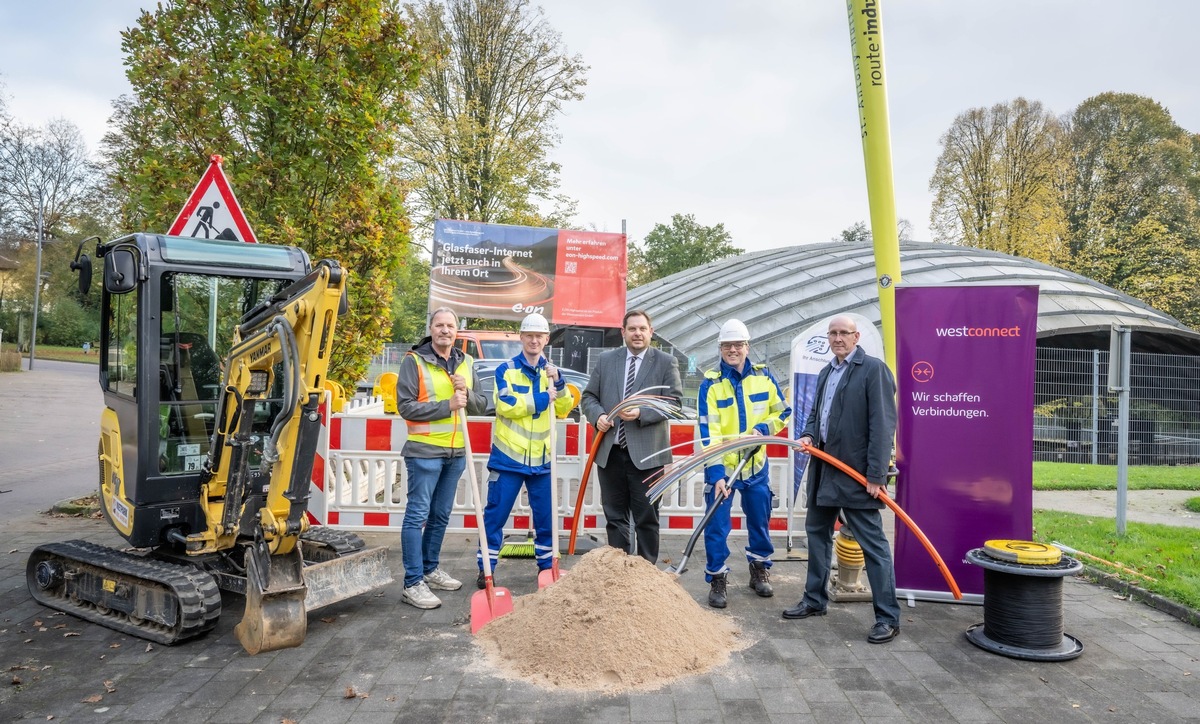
727 346
840 333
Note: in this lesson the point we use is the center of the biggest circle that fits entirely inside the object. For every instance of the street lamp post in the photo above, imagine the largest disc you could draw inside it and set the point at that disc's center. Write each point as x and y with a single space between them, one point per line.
37 286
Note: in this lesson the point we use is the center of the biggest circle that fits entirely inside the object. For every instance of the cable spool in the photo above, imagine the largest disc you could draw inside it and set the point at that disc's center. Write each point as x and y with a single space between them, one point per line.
1022 601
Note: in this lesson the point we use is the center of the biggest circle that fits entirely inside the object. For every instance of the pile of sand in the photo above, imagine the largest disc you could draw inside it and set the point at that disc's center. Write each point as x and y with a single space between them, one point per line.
613 622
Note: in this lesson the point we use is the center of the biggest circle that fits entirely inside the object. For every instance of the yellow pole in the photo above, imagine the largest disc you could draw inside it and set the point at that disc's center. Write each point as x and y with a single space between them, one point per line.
866 47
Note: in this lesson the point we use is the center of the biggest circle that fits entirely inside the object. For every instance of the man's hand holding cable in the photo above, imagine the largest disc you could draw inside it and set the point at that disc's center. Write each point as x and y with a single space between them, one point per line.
603 424
721 489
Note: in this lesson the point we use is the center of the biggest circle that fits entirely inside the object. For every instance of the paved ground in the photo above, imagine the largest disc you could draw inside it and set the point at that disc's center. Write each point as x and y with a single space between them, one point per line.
405 665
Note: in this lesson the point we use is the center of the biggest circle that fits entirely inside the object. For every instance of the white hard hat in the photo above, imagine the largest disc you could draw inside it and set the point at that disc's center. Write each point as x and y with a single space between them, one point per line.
535 323
734 331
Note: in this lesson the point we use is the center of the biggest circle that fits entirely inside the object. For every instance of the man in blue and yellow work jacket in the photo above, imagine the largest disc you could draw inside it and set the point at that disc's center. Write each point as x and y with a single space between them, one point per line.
738 398
526 387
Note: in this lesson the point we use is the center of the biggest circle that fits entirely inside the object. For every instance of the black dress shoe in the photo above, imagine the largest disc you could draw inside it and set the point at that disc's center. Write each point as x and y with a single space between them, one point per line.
881 633
802 610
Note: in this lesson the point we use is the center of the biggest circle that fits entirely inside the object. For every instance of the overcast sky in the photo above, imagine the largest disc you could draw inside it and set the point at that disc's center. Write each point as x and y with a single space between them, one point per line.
742 113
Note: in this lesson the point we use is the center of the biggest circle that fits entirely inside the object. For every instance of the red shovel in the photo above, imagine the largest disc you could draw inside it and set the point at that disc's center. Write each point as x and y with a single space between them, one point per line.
493 600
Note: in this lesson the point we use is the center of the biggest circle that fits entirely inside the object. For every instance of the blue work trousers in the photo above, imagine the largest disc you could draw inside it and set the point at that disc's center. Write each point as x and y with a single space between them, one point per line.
867 526
503 489
431 486
756 505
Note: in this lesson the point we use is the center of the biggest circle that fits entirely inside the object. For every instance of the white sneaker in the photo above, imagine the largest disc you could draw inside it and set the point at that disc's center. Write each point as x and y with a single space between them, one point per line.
420 596
439 580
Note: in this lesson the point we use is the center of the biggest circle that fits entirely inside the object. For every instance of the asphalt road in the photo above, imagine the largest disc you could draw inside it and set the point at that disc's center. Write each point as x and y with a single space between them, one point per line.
49 428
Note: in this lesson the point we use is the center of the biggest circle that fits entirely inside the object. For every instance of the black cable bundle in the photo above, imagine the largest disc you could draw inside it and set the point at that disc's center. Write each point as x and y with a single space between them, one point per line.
1022 609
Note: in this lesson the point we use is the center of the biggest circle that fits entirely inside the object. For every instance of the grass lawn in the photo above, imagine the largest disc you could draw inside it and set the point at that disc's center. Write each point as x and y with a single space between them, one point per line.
1074 476
1169 555
64 354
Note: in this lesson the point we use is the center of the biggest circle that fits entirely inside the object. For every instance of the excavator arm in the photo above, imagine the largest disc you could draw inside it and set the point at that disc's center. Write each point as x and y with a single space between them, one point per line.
280 351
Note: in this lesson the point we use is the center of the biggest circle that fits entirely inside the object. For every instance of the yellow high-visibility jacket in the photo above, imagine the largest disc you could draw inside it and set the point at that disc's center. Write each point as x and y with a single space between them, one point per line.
521 433
732 403
423 392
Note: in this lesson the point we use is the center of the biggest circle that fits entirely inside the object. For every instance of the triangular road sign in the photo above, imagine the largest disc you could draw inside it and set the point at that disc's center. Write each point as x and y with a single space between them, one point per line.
212 211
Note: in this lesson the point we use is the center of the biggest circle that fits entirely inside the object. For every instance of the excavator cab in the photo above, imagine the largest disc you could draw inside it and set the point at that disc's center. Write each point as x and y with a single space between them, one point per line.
213 357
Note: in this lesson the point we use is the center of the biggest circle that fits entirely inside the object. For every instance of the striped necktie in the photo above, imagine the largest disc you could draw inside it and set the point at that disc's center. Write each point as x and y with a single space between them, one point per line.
630 373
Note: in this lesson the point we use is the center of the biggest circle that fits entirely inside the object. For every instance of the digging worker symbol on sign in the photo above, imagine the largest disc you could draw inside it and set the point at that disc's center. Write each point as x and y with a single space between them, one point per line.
204 224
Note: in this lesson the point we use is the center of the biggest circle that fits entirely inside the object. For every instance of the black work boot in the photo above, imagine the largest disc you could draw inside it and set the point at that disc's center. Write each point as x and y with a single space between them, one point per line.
716 595
760 579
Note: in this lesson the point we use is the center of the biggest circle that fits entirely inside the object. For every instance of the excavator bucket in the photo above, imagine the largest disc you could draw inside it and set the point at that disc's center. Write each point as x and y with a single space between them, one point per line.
275 616
345 576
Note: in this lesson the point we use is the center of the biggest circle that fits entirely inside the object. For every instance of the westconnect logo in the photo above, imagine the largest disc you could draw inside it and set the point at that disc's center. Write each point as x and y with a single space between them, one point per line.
978 331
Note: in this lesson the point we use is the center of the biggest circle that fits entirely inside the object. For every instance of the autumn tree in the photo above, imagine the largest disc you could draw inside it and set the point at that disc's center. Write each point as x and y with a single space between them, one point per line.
484 113
994 182
682 245
304 99
1131 200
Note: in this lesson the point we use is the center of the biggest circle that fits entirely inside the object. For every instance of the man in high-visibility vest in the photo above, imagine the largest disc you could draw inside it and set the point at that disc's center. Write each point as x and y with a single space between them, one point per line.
738 398
435 381
529 394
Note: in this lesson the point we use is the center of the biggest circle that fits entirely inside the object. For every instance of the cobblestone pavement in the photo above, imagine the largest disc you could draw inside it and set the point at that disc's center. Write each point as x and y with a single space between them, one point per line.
400 664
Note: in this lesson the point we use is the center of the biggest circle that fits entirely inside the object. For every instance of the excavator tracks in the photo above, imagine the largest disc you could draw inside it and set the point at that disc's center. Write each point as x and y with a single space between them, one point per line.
155 600
321 544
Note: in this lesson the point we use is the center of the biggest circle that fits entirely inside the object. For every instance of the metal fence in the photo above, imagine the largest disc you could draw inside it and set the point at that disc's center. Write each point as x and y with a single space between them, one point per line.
1075 416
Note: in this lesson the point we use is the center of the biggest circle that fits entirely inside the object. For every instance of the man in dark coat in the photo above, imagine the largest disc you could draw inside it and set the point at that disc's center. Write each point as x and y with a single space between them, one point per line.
854 420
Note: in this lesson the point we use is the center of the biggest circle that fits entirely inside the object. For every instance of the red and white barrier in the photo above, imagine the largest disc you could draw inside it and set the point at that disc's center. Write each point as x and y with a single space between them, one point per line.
358 478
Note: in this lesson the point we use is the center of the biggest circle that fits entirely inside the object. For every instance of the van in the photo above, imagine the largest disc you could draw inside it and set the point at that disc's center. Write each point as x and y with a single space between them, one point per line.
489 344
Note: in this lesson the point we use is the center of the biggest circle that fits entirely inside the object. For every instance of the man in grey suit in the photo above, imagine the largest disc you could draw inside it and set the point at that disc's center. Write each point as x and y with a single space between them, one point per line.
854 420
637 448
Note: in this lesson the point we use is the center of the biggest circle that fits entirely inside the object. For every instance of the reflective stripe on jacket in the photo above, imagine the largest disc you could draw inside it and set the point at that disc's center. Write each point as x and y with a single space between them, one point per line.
521 432
732 403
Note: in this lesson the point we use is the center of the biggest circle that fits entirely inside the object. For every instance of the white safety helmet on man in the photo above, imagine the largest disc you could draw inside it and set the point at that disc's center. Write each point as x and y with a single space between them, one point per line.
734 331
535 323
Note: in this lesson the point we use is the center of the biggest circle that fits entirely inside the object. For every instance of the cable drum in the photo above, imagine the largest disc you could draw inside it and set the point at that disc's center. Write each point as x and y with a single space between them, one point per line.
1022 601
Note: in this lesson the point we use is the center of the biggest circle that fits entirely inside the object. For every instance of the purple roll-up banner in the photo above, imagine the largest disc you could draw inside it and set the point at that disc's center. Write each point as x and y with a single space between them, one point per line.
965 359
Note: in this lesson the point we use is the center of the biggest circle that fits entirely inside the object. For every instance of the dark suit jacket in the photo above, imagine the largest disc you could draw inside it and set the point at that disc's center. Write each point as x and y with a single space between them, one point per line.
862 427
648 434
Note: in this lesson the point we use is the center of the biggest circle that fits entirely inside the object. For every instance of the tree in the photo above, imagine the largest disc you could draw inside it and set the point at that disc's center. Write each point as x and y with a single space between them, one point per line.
994 181
859 231
682 245
483 118
304 99
1131 201
50 165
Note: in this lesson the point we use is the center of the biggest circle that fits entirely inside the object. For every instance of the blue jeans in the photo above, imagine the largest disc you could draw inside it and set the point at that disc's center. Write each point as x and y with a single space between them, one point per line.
431 486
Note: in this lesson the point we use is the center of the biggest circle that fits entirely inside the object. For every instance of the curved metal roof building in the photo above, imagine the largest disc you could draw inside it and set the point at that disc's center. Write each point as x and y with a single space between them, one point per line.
780 292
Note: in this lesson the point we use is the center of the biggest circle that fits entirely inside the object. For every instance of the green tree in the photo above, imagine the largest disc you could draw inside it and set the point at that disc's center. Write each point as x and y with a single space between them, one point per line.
994 183
1131 201
409 309
682 245
484 114
304 98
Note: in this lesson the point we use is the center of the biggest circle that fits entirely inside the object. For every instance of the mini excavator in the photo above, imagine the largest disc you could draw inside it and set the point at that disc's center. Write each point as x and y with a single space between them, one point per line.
213 358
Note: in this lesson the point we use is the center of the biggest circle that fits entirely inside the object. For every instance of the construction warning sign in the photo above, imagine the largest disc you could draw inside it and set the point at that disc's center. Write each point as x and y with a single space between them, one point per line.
212 211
